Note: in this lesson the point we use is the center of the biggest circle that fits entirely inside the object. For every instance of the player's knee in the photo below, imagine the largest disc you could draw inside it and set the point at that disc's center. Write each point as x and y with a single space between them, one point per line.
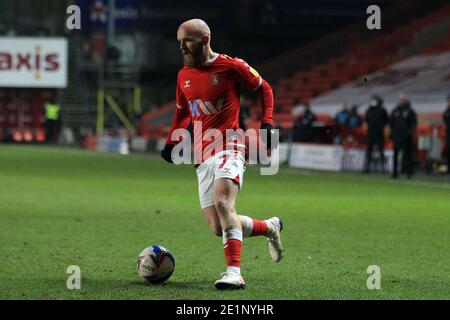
222 206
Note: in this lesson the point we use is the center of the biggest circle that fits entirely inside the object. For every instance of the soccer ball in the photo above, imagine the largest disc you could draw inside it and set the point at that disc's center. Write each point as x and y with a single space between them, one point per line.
155 264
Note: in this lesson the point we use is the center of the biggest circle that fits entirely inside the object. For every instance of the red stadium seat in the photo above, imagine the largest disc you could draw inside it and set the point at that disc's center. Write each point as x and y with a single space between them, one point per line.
39 135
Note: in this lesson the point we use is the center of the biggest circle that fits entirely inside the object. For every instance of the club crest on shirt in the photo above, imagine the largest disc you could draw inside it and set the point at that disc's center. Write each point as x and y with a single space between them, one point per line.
214 79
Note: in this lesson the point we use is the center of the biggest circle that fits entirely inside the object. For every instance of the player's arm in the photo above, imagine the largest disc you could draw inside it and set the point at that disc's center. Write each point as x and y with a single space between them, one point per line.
251 79
180 120
267 104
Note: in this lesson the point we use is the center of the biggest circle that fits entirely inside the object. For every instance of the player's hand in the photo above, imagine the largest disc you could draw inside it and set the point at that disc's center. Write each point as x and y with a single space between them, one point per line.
269 133
166 153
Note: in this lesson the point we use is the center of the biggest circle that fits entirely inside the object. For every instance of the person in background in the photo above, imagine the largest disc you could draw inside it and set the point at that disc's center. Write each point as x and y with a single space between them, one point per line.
283 136
447 133
403 122
377 118
297 108
303 127
52 121
354 120
342 116
340 120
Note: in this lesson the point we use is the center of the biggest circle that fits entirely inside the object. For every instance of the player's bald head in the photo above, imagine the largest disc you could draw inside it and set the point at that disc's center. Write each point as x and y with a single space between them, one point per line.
195 27
194 37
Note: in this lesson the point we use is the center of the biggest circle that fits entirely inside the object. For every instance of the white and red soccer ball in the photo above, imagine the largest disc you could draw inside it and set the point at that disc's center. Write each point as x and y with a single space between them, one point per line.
155 264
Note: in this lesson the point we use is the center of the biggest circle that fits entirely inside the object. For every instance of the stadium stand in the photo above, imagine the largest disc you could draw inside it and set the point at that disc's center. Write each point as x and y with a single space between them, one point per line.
361 56
22 114
22 107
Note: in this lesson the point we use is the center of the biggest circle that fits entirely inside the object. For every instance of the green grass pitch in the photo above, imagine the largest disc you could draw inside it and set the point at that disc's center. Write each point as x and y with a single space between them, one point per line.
61 207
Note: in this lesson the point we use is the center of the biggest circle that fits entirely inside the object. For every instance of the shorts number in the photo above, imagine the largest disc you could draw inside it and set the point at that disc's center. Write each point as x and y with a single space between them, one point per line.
225 158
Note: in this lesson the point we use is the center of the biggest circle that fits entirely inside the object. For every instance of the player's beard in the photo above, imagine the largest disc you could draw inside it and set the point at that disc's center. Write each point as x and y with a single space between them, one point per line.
194 56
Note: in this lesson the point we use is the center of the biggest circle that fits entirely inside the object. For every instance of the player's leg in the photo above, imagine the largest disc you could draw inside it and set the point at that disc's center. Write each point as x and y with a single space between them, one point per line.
205 190
251 227
230 165
269 228
213 221
225 192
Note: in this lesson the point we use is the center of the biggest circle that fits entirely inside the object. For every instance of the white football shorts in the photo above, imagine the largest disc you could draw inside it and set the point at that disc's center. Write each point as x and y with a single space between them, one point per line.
225 164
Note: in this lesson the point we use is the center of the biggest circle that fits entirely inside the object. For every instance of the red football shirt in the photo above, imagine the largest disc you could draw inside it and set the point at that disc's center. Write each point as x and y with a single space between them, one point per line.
210 94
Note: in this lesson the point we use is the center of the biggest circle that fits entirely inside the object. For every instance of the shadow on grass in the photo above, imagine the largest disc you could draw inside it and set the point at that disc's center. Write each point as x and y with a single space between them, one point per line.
111 288
176 284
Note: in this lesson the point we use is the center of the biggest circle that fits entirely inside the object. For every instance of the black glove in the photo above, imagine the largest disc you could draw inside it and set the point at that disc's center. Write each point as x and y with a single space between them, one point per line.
269 134
166 153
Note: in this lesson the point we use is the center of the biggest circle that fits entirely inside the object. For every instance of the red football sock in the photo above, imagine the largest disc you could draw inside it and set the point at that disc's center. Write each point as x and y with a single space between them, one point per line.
233 250
259 228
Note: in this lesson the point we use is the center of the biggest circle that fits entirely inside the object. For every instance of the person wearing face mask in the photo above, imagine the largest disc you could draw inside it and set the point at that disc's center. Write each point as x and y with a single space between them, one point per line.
403 124
377 119
447 133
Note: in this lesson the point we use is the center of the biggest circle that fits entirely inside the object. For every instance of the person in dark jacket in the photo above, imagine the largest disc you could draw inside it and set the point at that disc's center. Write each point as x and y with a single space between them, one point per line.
403 124
303 127
447 133
377 118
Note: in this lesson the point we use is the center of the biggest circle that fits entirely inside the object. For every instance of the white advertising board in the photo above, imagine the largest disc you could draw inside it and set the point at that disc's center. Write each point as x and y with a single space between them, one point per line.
29 62
320 157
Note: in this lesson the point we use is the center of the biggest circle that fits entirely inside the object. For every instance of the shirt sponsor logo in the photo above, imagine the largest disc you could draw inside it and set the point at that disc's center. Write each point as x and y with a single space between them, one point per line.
206 107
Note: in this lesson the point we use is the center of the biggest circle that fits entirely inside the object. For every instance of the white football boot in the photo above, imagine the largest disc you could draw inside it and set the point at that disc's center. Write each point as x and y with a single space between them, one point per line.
230 280
274 239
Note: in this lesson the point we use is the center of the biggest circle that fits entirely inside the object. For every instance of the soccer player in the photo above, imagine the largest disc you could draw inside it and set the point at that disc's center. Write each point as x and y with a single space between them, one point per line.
208 94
